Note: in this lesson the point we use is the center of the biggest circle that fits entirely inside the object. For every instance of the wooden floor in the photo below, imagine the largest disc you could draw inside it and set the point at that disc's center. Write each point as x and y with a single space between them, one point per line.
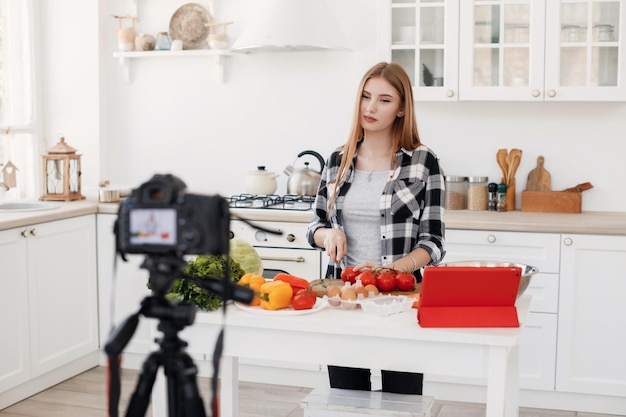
85 396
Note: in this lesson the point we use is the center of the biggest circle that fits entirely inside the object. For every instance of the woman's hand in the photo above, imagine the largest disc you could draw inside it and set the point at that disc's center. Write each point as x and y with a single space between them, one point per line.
335 244
367 265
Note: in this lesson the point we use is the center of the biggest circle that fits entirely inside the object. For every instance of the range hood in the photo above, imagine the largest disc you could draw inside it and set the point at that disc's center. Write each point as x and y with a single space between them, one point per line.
290 25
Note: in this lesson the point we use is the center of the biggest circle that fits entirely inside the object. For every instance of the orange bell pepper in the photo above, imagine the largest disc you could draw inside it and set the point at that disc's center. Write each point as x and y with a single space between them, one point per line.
254 282
275 295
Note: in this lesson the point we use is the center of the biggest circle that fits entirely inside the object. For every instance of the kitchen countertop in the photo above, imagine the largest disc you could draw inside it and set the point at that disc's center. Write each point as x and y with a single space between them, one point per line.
598 222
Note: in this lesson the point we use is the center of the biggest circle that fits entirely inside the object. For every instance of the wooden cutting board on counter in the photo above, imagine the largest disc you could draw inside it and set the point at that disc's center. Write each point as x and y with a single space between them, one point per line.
539 179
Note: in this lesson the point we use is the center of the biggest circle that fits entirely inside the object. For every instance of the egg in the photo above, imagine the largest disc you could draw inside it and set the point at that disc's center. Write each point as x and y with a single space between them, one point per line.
348 297
372 290
333 295
361 292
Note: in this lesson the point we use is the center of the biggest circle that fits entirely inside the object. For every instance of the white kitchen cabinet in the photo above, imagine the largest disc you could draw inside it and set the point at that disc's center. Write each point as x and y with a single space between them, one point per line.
539 336
15 357
592 315
423 37
49 298
512 50
535 50
121 288
538 352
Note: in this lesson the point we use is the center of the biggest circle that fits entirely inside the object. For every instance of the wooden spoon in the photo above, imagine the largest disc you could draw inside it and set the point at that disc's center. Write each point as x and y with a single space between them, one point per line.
501 157
514 159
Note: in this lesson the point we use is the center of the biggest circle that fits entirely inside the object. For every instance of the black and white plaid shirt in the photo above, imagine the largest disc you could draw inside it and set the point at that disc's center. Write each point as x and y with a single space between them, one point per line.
411 205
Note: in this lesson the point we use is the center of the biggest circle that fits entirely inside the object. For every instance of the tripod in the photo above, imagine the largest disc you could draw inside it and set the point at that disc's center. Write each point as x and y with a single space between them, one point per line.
182 391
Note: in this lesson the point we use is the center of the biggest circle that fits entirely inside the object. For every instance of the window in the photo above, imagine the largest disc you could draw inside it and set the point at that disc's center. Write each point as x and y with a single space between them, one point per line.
18 127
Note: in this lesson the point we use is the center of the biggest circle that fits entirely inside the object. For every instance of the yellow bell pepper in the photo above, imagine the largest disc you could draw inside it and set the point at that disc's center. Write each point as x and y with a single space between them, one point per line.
275 295
254 282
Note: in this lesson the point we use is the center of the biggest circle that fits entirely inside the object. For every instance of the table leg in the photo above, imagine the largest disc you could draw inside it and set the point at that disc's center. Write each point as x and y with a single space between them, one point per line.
229 386
502 388
512 384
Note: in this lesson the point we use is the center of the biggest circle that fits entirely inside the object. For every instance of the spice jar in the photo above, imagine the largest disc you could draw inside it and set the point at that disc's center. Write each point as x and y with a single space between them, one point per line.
501 197
456 189
492 188
477 193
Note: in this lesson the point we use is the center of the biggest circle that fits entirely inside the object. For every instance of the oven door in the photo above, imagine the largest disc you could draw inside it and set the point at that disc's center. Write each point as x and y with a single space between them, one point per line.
302 263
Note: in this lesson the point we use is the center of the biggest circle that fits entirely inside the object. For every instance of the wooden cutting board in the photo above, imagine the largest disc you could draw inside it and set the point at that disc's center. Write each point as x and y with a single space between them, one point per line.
539 179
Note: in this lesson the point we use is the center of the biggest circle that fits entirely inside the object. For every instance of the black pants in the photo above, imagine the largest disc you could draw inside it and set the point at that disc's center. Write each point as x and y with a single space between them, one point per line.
359 379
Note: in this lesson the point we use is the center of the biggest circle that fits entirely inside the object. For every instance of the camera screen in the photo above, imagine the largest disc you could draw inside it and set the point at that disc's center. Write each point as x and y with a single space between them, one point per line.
151 226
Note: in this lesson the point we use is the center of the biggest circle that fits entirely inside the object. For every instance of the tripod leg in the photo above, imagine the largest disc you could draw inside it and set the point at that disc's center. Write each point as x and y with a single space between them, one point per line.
191 404
141 397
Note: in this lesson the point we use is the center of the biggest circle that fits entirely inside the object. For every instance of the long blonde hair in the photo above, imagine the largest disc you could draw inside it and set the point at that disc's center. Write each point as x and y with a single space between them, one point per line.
404 132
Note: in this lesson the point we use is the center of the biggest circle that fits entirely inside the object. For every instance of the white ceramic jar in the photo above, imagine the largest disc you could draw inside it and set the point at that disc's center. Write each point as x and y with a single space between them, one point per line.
261 182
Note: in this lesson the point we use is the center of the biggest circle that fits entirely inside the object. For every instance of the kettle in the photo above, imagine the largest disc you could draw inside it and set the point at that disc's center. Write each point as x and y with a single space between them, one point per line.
304 181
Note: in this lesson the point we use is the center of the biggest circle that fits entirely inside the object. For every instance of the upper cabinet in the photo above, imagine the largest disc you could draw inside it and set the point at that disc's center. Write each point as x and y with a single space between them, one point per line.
514 50
424 39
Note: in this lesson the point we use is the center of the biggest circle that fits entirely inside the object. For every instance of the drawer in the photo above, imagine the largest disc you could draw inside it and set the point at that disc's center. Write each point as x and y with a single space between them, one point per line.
541 250
545 291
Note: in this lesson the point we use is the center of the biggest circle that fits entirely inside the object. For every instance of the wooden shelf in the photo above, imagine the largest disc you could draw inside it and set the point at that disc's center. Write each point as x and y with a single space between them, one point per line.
125 58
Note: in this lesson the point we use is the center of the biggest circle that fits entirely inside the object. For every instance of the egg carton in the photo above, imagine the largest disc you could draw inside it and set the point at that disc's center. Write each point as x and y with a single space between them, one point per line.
386 305
380 305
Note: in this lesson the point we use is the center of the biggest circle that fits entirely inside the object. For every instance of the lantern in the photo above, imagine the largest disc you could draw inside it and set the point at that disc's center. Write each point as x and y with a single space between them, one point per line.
61 173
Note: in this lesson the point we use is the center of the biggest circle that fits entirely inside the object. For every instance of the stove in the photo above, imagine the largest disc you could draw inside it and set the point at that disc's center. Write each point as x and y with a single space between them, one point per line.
288 251
273 202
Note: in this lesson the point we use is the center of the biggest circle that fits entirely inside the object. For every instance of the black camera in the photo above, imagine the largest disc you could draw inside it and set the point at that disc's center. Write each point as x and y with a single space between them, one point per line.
160 218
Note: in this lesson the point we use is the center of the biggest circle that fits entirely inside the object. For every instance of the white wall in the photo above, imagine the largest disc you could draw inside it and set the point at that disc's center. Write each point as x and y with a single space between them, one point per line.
175 116
70 78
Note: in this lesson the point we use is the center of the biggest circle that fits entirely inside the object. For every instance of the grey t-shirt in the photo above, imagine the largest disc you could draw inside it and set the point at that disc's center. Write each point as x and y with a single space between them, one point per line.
361 217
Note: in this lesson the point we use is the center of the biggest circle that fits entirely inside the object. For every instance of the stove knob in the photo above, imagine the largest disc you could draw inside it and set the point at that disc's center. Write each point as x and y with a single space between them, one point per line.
260 236
290 237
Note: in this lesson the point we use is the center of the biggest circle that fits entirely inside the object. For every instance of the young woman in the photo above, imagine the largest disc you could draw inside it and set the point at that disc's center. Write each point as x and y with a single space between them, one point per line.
381 201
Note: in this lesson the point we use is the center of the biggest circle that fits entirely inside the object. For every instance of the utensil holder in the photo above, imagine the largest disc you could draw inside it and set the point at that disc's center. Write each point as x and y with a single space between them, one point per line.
510 195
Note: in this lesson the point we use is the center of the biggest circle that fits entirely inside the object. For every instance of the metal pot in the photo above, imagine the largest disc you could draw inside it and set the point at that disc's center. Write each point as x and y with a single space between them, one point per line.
261 182
304 181
527 270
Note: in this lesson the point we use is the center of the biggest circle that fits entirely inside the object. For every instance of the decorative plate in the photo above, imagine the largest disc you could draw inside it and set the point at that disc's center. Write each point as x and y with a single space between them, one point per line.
320 304
190 23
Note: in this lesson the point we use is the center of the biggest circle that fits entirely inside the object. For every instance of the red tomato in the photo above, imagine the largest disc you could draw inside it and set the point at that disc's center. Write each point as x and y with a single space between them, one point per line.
405 282
304 299
385 281
349 275
367 277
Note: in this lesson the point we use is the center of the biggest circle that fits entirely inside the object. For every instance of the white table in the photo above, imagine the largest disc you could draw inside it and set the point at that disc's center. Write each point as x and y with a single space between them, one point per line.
352 338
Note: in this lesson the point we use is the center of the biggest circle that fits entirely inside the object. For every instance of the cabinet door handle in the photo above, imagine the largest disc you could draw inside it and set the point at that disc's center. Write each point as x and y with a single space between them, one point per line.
536 93
33 232
491 238
298 259
24 233
551 93
568 241
450 93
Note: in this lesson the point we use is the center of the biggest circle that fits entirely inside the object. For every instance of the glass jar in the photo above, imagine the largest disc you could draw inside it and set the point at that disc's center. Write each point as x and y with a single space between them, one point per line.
572 33
477 195
163 42
456 190
604 33
502 187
